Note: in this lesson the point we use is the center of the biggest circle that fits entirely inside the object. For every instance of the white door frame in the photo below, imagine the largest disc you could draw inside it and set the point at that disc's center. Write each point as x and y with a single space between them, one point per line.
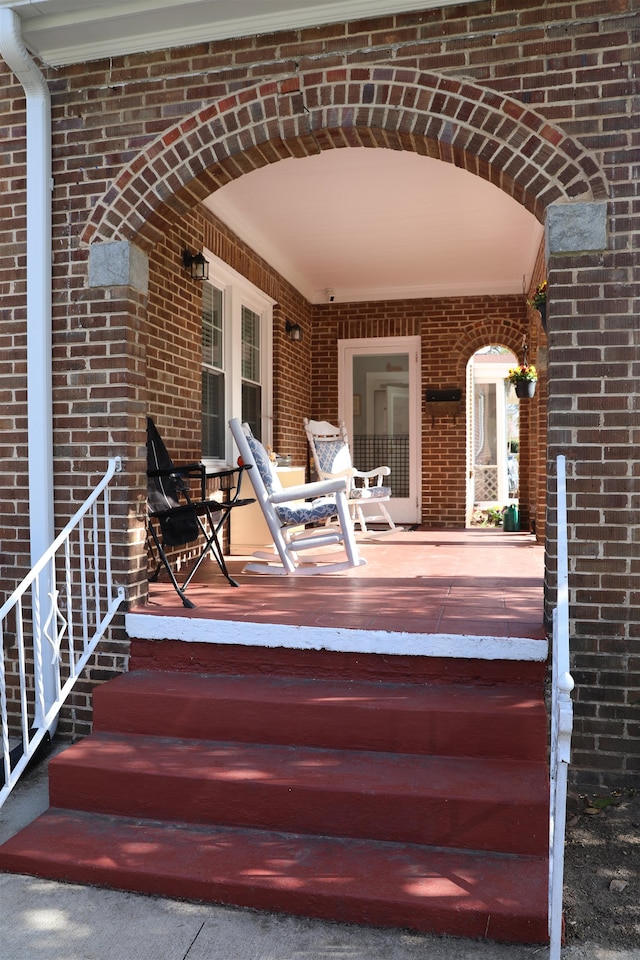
403 510
495 376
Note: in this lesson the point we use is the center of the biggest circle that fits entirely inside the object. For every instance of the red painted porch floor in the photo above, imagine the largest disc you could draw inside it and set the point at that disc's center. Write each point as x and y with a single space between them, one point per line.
475 582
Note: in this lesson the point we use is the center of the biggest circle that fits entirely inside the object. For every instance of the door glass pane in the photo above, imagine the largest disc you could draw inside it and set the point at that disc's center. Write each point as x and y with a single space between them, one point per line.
381 416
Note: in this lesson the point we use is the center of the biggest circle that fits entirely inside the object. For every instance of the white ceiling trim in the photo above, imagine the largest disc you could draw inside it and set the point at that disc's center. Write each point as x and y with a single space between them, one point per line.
76 31
460 288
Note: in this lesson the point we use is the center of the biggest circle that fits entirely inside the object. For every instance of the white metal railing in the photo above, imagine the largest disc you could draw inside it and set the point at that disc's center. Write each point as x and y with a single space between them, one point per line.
50 626
561 722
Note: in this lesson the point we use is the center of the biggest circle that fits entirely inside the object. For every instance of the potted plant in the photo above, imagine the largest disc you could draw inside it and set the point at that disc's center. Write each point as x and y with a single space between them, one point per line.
539 302
524 378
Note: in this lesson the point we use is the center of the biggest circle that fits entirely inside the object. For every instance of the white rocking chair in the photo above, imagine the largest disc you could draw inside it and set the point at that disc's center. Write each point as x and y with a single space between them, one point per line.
332 458
284 514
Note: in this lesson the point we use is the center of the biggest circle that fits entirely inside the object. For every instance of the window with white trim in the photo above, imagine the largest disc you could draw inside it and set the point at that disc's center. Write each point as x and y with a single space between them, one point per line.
236 360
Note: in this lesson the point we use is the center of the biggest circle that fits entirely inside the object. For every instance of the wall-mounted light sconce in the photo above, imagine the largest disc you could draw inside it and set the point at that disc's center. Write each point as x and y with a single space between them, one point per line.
197 264
294 330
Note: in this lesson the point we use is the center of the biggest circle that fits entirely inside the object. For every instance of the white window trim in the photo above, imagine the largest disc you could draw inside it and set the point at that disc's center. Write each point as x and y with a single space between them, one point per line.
237 292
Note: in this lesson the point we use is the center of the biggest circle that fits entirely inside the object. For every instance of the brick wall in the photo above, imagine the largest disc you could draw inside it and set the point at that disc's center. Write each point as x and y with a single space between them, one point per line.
536 97
450 331
172 339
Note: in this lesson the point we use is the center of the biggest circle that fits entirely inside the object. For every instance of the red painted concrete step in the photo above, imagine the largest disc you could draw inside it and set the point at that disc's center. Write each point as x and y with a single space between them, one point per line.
473 895
239 660
498 721
479 804
412 803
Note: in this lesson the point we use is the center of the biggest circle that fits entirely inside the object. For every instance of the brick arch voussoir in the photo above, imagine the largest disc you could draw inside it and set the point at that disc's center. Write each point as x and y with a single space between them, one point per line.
193 160
484 335
477 129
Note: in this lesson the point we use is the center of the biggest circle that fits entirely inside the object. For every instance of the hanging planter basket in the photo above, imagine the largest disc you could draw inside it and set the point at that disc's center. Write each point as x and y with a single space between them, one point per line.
539 302
525 389
523 378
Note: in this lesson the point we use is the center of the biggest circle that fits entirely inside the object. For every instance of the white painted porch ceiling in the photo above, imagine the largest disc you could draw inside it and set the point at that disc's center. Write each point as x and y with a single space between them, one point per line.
370 224
361 223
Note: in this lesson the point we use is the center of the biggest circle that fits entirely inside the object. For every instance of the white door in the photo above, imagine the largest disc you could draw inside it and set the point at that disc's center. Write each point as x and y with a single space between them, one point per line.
379 400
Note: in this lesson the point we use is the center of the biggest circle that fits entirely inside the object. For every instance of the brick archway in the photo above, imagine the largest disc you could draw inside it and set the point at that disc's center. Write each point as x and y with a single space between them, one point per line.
483 336
484 132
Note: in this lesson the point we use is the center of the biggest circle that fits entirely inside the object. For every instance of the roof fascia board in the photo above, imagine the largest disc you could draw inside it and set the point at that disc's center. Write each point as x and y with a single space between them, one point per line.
115 33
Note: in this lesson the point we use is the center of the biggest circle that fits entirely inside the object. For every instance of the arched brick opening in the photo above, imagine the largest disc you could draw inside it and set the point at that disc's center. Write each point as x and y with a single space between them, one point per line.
477 129
509 144
488 335
498 333
486 133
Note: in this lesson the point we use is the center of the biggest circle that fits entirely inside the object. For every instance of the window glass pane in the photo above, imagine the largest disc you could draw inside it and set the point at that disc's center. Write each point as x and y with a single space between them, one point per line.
251 388
213 412
250 345
252 408
212 344
213 415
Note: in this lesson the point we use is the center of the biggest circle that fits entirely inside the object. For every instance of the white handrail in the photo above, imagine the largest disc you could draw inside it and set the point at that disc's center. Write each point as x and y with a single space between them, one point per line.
33 628
561 722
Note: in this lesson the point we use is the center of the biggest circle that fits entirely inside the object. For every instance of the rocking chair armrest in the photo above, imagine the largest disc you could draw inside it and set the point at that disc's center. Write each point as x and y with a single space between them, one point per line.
378 472
307 491
348 472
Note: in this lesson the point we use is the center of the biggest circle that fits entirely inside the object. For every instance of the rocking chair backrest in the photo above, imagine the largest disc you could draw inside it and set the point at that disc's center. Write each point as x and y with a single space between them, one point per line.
267 482
264 465
329 446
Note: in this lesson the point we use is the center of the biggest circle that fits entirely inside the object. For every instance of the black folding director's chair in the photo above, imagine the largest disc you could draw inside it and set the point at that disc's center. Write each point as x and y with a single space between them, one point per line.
182 518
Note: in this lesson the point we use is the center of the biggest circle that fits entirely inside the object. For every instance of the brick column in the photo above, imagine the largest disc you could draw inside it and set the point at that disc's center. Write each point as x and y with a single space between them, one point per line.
593 420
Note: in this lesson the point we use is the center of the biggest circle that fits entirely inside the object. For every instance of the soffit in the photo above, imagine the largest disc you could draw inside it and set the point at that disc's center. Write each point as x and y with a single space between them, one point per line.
75 31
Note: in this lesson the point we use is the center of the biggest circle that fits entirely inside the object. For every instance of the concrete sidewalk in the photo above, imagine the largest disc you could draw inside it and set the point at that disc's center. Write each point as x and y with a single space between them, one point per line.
45 920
